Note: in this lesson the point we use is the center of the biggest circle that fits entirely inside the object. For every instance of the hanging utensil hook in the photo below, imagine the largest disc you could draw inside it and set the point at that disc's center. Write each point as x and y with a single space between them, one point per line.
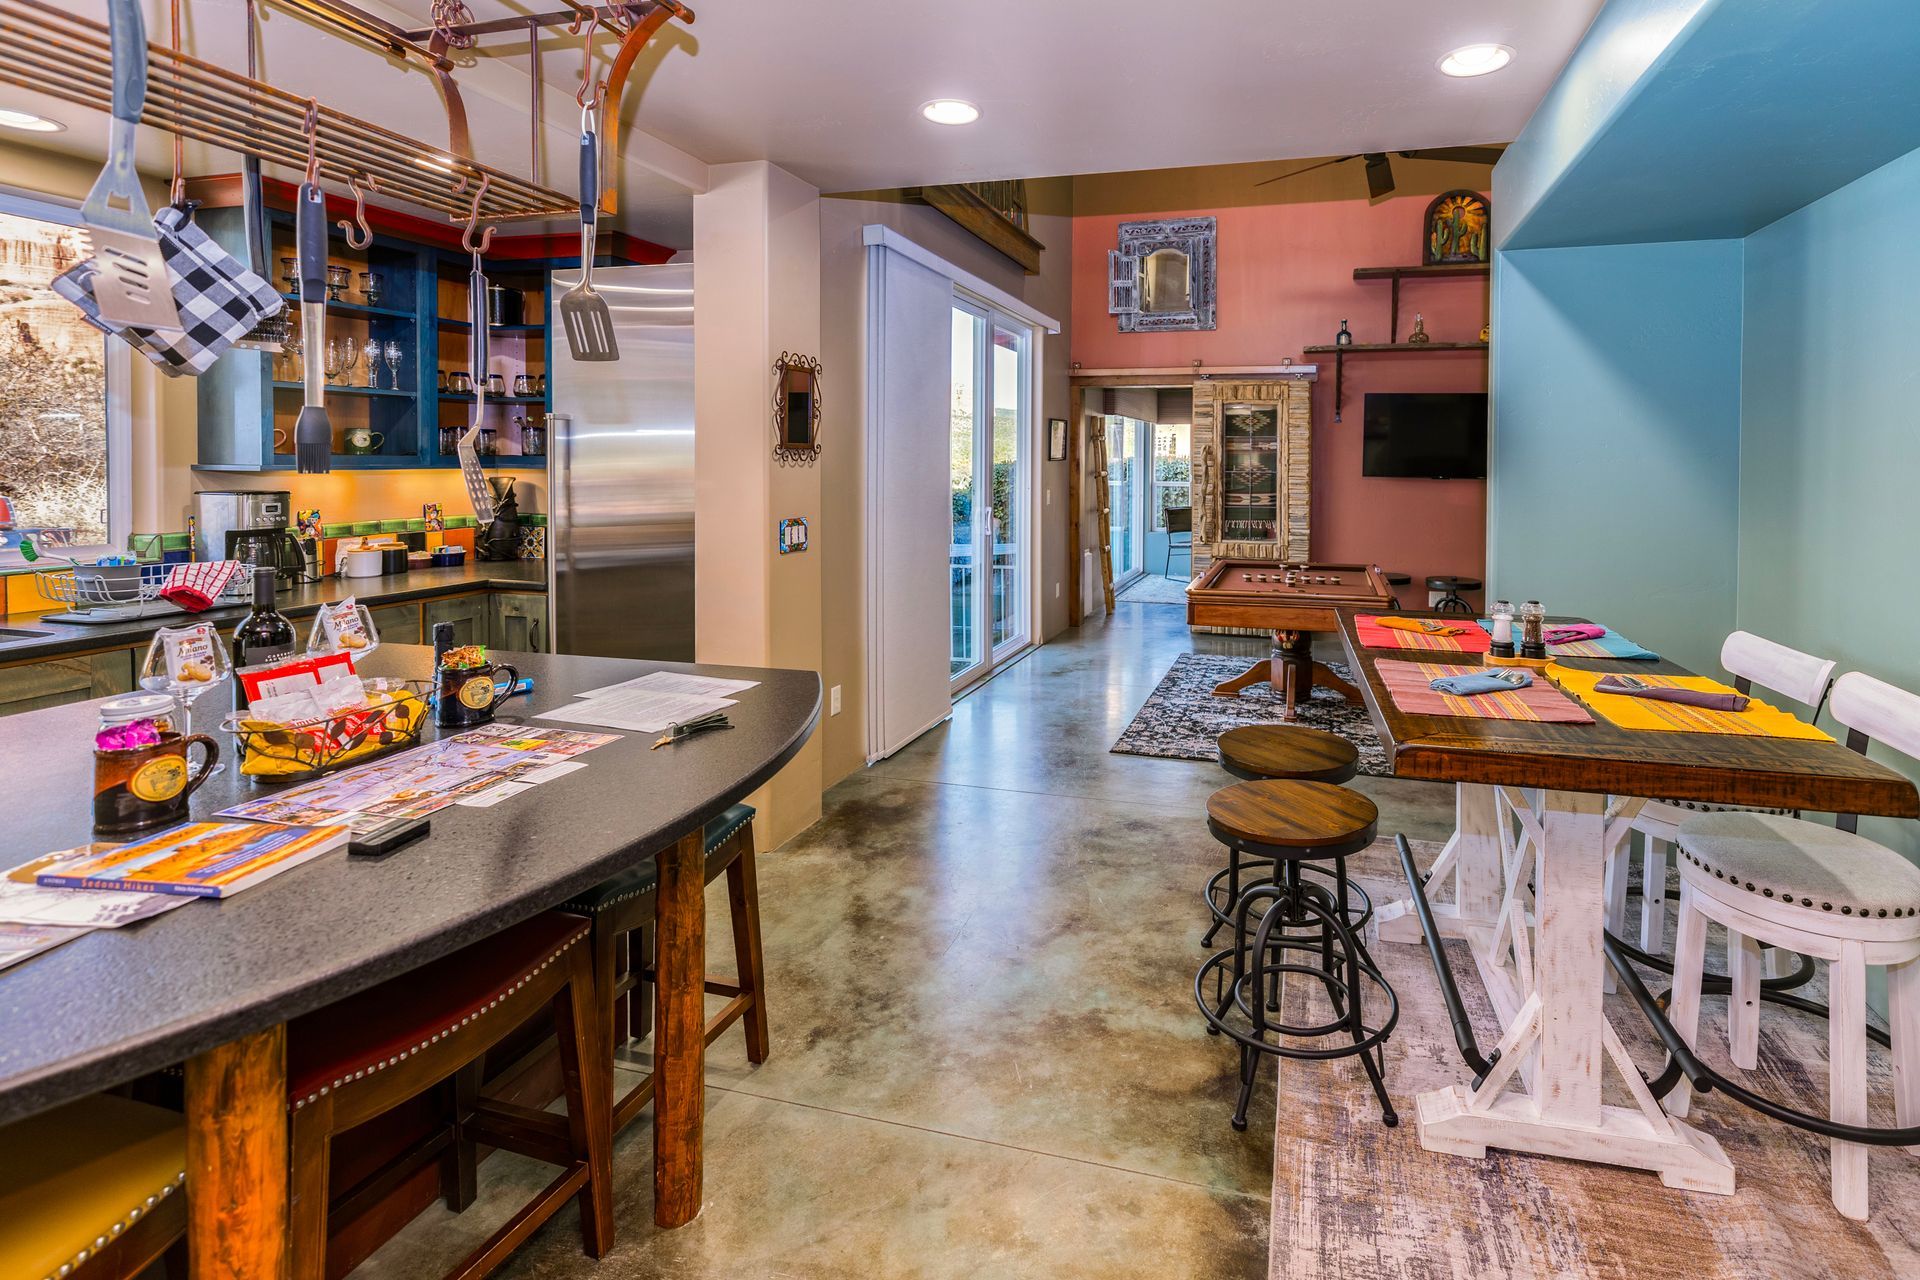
312 127
359 234
473 221
592 18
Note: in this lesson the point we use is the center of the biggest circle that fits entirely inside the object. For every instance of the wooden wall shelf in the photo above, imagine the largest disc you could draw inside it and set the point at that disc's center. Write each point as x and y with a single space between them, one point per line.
1437 272
1356 348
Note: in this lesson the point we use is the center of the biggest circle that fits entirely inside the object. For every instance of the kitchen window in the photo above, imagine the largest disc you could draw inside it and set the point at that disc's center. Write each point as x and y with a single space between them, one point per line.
65 437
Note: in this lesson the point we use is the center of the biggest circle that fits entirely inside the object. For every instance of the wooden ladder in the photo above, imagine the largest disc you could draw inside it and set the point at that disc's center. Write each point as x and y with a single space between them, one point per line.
1103 503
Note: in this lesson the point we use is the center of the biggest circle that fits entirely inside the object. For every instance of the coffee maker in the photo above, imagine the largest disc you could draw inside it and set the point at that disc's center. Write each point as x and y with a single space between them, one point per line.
249 525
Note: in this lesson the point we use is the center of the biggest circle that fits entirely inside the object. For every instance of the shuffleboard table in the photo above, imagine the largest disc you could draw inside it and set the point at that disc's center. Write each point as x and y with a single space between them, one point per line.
1293 601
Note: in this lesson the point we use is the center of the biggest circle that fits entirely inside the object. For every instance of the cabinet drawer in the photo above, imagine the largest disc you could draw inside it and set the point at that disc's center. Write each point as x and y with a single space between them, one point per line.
468 614
519 623
58 681
398 623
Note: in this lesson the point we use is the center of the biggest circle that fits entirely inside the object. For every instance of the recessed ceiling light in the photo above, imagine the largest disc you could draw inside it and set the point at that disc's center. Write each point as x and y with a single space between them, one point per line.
950 111
28 122
1476 59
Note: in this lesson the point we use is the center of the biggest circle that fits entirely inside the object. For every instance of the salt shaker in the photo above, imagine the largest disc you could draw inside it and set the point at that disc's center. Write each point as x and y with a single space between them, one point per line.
1533 623
1502 615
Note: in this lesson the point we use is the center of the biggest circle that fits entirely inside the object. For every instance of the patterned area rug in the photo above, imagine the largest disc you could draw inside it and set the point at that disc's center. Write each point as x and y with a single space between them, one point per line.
1181 719
1153 589
1353 1200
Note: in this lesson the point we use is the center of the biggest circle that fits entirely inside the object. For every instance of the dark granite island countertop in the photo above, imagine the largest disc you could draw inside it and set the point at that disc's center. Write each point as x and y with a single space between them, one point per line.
303 601
116 1004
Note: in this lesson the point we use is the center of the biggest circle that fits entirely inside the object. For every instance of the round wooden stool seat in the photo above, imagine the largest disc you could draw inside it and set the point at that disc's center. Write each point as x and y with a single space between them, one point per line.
1286 820
1256 751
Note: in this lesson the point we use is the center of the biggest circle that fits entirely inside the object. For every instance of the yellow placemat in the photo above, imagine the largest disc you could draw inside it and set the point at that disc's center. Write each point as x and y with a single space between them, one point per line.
1758 721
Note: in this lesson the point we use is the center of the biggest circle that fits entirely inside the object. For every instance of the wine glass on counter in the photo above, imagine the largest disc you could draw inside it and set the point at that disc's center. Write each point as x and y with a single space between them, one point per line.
186 662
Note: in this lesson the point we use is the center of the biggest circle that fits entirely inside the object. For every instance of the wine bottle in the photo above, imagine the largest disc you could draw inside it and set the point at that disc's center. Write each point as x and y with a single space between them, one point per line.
1344 338
263 636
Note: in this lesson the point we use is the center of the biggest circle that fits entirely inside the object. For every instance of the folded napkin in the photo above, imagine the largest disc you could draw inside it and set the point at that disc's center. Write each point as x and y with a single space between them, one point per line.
1573 633
1669 693
194 586
1425 626
1489 682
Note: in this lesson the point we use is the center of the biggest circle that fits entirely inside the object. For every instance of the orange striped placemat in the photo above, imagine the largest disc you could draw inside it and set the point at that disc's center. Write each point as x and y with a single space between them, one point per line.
1409 685
1471 639
1759 720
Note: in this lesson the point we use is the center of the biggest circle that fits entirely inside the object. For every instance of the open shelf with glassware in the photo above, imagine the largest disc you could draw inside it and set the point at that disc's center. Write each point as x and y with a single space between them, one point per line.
517 399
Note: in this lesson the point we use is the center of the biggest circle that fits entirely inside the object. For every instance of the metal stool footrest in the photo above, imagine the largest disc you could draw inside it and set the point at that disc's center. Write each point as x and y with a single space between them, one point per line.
1219 898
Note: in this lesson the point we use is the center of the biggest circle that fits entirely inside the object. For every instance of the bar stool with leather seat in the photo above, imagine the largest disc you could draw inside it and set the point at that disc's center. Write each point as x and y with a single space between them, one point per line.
97 1183
1826 892
1291 823
357 1058
624 906
1286 752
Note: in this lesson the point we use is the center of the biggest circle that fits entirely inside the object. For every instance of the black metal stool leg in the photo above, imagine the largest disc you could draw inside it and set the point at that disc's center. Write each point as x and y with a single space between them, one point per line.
1249 1072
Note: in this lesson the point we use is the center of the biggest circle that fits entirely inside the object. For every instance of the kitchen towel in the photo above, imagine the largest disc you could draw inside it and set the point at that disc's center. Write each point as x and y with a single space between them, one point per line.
196 585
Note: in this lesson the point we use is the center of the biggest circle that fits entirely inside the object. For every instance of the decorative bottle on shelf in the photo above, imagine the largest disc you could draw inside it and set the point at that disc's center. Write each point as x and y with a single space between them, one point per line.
263 636
1344 338
1502 616
1533 625
1419 334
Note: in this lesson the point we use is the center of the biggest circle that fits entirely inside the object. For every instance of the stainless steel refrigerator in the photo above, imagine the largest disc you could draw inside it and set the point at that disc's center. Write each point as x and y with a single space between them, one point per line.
620 474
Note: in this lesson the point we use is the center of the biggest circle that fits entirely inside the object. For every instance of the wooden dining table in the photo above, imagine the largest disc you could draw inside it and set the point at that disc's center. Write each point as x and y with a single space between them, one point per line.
214 984
1538 808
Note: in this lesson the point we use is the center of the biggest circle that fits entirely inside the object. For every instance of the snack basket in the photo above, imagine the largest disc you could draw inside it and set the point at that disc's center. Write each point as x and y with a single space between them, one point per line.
115 593
305 749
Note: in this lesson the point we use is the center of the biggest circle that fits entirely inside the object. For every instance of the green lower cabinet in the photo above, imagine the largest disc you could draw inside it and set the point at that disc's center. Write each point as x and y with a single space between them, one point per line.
468 614
58 681
398 624
519 623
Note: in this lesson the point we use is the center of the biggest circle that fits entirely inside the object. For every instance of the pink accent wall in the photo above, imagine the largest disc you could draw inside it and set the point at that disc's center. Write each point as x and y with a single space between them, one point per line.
1285 280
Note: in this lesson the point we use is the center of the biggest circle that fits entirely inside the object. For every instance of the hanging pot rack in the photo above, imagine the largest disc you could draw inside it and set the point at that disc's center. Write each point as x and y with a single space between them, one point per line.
68 57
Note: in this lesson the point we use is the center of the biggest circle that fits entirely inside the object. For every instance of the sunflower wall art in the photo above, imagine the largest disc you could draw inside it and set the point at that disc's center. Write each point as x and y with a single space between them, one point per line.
1457 228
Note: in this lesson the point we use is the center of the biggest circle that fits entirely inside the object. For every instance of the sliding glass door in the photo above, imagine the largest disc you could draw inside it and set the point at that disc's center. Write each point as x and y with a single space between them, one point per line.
1127 443
989 557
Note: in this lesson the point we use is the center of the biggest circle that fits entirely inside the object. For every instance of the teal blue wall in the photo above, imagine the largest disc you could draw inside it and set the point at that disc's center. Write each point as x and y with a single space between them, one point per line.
1614 489
1830 434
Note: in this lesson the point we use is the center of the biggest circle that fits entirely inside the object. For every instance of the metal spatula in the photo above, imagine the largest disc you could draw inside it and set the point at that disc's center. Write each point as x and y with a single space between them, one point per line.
133 286
313 430
478 494
583 312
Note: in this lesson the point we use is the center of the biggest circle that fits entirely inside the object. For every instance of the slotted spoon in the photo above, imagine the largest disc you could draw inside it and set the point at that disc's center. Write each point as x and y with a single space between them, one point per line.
583 313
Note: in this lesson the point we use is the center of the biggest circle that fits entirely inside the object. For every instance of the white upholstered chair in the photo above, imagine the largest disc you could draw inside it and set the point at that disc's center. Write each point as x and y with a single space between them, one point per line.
1822 891
1751 660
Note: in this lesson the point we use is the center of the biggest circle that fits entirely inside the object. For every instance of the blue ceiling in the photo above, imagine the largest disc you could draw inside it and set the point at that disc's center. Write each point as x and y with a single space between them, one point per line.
1709 119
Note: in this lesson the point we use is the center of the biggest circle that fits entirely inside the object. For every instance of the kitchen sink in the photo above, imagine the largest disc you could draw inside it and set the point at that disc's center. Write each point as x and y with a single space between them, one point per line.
21 635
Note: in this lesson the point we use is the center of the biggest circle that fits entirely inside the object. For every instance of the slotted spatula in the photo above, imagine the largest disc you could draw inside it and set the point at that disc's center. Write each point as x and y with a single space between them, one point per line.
313 430
478 494
132 287
583 312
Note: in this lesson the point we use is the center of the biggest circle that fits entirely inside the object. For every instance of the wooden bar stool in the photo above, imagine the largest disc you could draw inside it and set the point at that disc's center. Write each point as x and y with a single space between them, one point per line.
96 1182
1290 823
353 1060
1773 880
1279 751
624 907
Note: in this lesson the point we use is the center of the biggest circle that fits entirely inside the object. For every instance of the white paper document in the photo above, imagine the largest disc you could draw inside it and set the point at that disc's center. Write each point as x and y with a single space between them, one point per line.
675 682
642 709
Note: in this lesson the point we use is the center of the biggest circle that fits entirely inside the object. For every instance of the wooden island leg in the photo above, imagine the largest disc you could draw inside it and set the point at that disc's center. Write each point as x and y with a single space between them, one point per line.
237 1204
679 1094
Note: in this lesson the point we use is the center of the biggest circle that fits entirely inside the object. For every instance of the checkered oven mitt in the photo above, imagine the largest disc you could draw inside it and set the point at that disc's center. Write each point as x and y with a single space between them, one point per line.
220 300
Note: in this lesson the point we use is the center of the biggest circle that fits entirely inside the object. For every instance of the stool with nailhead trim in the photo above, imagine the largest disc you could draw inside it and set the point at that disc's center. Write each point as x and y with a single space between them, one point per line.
431 1027
94 1183
1826 892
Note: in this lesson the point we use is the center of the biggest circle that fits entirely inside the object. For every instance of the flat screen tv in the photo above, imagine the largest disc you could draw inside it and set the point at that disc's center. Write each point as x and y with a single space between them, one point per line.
1426 435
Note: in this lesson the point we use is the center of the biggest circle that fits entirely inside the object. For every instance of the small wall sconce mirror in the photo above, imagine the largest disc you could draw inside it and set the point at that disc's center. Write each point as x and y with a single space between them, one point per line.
796 409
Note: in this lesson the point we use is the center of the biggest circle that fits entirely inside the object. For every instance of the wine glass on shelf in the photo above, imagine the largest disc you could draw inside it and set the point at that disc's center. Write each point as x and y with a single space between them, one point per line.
371 354
391 353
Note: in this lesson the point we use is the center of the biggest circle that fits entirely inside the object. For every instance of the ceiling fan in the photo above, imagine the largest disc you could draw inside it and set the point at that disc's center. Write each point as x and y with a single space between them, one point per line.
1380 166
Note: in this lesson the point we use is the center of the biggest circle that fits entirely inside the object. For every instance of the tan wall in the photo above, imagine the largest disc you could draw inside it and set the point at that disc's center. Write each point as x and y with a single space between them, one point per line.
843 283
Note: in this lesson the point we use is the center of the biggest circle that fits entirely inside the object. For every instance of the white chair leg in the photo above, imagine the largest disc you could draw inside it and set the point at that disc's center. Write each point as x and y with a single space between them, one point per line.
1847 1061
1653 897
1616 889
1771 965
1689 970
1743 1002
1903 1018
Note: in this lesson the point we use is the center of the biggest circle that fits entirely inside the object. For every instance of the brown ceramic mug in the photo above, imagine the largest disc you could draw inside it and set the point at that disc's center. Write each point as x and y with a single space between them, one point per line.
148 786
468 695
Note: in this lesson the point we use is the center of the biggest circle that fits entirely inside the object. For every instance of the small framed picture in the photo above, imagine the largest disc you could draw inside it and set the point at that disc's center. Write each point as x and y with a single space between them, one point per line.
1056 439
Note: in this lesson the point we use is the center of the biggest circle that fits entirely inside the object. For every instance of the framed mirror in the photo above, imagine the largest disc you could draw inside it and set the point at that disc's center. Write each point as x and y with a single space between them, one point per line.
796 408
1162 275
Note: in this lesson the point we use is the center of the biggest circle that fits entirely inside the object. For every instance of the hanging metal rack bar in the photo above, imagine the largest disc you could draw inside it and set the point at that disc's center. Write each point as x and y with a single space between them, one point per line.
615 17
370 28
68 57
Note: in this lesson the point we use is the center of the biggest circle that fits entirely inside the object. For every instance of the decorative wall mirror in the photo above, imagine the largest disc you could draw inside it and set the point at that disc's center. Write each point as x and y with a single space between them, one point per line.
1161 277
796 409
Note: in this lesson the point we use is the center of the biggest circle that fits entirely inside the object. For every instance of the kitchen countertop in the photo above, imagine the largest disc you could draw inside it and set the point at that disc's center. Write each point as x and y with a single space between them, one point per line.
296 602
118 1003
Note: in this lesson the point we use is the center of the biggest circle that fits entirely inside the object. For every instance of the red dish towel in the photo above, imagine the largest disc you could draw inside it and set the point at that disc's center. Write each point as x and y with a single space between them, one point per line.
196 586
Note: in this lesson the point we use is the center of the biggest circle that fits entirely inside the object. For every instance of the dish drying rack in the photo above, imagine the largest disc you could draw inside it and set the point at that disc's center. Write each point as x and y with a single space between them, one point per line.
98 594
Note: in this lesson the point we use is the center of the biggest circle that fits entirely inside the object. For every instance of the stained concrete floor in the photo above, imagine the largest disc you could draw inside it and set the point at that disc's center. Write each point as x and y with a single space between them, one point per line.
986 1060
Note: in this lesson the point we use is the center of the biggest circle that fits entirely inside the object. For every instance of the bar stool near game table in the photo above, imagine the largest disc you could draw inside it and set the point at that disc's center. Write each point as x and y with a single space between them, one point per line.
1293 601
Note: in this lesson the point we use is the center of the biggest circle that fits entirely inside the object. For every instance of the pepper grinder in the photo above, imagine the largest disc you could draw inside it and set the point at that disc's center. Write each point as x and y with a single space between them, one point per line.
1502 615
1533 623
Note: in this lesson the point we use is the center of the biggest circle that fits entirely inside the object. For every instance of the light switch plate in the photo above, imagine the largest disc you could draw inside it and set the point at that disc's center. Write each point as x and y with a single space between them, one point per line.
792 536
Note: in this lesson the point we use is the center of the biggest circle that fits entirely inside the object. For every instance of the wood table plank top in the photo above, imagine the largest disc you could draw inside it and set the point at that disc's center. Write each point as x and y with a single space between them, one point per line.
1711 768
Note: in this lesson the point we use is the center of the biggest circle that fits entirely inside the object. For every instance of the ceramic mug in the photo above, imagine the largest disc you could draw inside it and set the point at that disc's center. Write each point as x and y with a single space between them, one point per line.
282 440
468 695
362 440
148 786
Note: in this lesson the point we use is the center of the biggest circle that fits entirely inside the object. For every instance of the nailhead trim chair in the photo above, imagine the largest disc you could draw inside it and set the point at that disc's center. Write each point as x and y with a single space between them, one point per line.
1825 892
